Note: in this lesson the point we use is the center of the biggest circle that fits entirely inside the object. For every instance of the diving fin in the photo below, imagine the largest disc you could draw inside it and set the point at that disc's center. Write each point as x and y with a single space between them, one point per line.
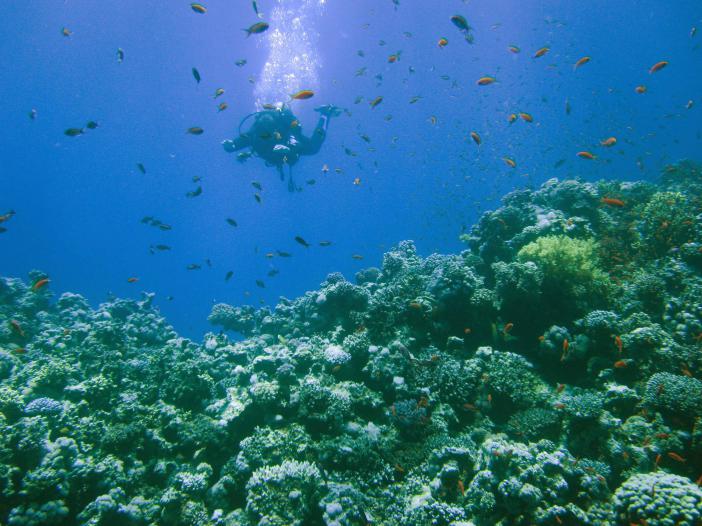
329 110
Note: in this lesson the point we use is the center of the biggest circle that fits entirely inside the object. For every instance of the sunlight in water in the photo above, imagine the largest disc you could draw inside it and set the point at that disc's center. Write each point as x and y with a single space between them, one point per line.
293 62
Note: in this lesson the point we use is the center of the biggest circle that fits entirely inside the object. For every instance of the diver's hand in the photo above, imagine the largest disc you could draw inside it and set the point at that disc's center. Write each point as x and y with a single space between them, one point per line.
228 146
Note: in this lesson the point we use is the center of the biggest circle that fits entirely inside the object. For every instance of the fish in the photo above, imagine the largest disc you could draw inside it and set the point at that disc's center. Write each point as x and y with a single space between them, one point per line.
310 182
194 193
241 62
357 257
132 279
460 22
195 130
325 168
641 89
256 185
609 141
394 57
512 117
510 162
228 275
303 94
674 456
257 28
218 92
567 107
17 327
222 106
620 364
325 243
586 155
357 181
198 8
66 32
120 55
433 120
162 247
255 8
232 222
526 117
485 81
476 137
193 266
514 49
507 328
376 101
7 216
559 163
612 201
581 62
260 284
541 52
302 241
209 263
257 197
442 43
618 341
283 254
689 104
141 168
39 284
658 66
91 125
693 32
196 75
74 132
415 99
273 273
33 114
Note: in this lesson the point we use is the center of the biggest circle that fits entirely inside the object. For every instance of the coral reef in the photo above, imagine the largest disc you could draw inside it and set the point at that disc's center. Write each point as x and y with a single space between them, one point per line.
549 374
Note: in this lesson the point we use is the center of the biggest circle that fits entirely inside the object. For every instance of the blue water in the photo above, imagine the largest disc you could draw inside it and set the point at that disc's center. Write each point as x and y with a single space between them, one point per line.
79 200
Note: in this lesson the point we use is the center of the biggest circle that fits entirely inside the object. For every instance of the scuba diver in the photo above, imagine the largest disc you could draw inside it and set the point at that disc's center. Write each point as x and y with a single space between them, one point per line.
276 137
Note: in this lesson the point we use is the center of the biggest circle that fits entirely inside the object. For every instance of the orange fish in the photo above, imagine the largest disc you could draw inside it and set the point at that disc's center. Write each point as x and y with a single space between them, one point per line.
514 49
476 138
609 141
461 488
560 387
586 155
541 52
620 364
675 457
303 94
467 330
611 201
526 117
510 162
132 280
442 43
618 342
40 283
580 62
19 350
376 101
508 327
394 57
512 117
484 81
641 89
658 66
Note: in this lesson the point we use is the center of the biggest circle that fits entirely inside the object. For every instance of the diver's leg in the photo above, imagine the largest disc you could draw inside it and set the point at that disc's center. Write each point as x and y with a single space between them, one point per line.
280 171
237 144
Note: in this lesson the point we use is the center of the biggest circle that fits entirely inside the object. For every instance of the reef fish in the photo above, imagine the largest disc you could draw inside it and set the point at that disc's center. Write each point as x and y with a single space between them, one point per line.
658 66
484 81
255 29
303 94
198 8
302 241
580 62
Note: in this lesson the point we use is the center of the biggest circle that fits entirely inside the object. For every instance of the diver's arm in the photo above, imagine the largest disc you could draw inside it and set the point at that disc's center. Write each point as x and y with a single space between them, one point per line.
239 143
311 145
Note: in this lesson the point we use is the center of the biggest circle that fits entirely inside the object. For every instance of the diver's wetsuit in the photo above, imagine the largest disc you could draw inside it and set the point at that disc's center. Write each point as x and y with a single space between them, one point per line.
276 137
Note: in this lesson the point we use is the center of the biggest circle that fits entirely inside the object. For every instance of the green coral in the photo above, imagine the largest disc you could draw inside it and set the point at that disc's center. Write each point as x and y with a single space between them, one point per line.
572 277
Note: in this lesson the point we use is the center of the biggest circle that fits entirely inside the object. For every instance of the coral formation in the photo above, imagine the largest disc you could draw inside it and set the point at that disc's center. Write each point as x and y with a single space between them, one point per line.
549 374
